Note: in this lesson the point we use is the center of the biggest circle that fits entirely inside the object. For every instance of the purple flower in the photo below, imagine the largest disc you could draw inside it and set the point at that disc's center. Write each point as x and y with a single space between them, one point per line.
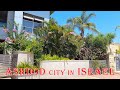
8 40
5 30
72 33
14 30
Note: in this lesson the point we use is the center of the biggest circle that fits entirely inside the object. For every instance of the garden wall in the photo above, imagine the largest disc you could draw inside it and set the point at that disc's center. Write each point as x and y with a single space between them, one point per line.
11 61
5 63
54 69
20 56
69 65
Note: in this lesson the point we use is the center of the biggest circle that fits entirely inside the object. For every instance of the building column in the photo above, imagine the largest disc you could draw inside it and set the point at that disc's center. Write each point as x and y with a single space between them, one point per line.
112 62
18 19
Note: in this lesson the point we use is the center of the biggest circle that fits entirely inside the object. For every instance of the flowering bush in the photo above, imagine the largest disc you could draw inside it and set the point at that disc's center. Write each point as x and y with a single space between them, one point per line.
16 41
5 30
72 33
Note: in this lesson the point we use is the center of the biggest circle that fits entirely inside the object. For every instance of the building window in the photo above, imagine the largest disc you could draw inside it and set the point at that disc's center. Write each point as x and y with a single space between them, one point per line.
3 18
37 24
27 25
30 22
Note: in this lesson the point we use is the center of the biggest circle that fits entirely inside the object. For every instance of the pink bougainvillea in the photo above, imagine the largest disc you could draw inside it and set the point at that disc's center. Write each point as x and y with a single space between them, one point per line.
8 40
5 30
72 33
14 30
26 33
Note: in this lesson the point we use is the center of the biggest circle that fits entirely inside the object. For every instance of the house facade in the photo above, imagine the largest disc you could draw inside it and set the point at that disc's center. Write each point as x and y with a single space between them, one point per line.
26 20
114 58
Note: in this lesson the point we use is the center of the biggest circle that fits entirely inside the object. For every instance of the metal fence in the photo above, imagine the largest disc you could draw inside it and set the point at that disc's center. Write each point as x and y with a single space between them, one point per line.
5 63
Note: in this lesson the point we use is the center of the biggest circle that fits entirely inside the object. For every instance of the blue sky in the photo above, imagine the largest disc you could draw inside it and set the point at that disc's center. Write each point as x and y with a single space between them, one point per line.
105 21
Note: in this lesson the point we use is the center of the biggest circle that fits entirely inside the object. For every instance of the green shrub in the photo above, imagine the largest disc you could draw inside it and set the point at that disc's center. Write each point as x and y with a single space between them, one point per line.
103 66
95 64
49 57
26 65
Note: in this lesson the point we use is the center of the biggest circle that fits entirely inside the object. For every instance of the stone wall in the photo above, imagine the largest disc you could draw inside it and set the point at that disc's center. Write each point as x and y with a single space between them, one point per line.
112 62
54 68
69 65
5 63
20 56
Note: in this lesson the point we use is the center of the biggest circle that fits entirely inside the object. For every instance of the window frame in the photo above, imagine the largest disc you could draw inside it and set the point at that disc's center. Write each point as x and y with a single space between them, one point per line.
32 18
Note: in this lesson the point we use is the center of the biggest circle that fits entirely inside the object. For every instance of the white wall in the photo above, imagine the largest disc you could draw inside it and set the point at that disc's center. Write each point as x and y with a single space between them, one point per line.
51 67
23 57
67 65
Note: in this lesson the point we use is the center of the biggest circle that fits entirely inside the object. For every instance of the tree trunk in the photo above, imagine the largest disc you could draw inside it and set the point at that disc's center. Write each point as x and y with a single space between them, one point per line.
82 33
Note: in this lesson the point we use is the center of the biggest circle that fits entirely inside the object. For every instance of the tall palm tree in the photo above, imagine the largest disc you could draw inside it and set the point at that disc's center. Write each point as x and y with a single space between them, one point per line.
83 23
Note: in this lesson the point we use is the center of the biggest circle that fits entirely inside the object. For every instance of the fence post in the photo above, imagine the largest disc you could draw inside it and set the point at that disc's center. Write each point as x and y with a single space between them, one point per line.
14 64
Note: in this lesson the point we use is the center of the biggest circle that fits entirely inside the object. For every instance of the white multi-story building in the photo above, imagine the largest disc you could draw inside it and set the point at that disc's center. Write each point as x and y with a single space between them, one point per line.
26 20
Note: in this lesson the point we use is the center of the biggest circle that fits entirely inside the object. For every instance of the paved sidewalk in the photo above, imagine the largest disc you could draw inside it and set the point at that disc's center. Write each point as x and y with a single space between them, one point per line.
116 76
68 77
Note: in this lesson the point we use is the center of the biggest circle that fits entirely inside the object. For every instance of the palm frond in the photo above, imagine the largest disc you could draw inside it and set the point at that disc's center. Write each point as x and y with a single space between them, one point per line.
117 28
94 30
91 24
52 20
78 20
51 12
83 15
70 20
89 16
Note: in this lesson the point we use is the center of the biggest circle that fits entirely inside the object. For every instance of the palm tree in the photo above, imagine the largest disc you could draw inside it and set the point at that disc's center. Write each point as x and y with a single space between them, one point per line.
118 27
82 23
